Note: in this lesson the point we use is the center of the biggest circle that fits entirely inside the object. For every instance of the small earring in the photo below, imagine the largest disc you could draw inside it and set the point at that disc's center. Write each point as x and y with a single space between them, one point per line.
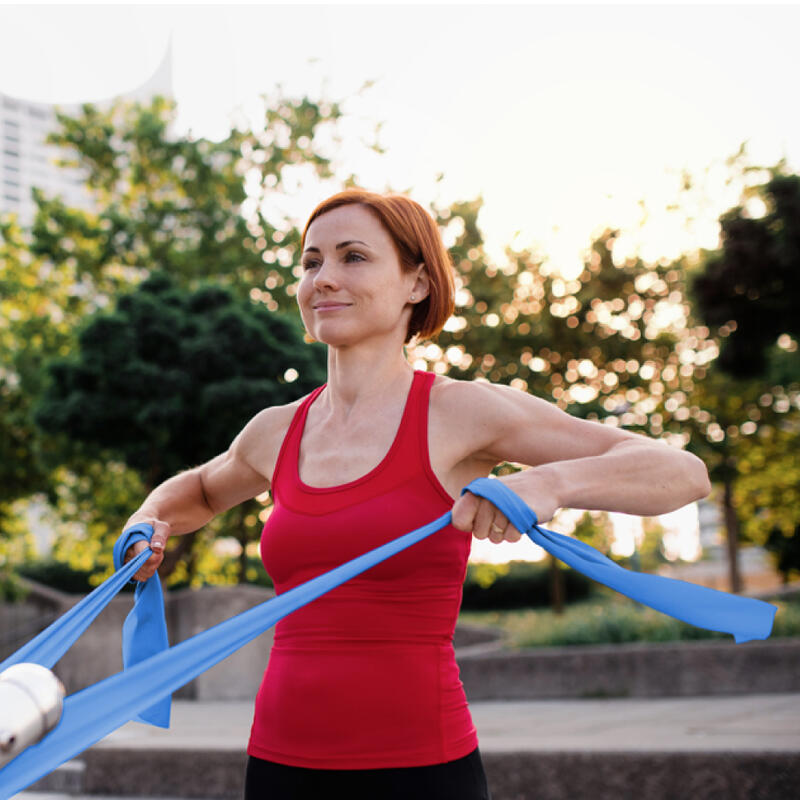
412 296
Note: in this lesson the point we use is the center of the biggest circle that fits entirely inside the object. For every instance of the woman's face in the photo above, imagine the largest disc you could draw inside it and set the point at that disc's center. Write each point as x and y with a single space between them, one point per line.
352 286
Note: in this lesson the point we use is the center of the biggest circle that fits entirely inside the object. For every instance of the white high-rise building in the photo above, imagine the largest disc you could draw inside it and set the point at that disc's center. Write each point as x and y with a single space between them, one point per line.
27 161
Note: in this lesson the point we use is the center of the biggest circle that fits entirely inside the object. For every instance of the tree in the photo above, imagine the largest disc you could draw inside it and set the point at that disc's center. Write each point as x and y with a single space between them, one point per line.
34 302
753 280
192 208
768 492
611 344
748 292
719 416
621 342
168 379
606 345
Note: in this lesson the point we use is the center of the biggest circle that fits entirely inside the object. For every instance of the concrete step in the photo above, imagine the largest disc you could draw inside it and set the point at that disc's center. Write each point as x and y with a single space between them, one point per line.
730 748
522 775
28 795
66 780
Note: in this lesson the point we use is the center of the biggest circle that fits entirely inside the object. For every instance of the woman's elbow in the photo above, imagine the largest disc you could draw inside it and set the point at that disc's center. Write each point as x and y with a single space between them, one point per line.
697 475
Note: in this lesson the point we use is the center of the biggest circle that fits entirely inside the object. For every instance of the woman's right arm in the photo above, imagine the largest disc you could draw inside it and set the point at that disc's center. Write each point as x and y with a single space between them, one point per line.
190 499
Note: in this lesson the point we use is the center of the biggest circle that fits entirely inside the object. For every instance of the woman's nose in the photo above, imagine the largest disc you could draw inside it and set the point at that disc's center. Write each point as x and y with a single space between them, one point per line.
325 275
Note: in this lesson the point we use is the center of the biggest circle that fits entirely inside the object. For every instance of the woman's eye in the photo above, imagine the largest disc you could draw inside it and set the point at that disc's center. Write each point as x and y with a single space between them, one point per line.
312 263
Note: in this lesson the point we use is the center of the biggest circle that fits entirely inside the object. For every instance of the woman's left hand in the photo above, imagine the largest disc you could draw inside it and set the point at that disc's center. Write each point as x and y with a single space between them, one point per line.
486 521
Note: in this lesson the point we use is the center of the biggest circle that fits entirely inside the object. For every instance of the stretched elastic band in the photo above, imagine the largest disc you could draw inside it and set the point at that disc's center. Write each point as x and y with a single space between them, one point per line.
91 714
94 712
744 617
47 647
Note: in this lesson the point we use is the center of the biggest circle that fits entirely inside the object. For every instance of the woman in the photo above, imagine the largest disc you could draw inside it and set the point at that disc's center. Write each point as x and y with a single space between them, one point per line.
361 696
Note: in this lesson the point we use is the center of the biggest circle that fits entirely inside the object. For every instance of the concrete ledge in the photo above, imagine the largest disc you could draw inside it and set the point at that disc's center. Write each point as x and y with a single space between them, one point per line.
68 778
655 776
512 776
98 652
675 669
165 773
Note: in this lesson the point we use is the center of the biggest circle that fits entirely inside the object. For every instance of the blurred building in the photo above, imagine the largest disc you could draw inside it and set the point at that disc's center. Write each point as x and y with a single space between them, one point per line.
26 161
756 569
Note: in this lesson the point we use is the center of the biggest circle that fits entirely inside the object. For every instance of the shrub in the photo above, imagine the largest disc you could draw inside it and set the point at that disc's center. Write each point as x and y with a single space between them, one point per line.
613 620
518 584
58 575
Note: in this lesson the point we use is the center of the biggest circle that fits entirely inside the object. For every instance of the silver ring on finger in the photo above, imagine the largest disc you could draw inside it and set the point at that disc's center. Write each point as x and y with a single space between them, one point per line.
497 528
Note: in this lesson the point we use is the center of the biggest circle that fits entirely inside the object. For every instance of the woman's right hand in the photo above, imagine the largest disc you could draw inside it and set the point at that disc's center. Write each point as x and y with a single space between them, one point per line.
161 532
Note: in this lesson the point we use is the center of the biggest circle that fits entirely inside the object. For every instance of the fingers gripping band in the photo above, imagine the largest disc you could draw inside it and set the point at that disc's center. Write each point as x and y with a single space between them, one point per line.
47 647
144 632
136 533
744 617
92 713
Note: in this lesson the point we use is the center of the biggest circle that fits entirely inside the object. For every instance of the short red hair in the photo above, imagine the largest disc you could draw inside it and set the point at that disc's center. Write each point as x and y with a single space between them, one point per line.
417 239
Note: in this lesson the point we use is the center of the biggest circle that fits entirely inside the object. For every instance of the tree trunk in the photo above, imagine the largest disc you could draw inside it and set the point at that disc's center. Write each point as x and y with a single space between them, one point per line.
241 536
174 555
556 585
243 558
732 537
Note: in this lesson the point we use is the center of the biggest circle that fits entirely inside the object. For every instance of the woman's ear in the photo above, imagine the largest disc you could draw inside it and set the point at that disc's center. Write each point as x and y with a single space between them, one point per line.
422 285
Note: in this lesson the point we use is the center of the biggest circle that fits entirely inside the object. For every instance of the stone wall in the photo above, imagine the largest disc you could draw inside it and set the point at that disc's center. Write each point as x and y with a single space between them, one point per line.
488 671
677 669
98 652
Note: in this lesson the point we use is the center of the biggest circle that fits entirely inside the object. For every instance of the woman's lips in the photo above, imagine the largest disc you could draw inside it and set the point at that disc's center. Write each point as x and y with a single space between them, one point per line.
332 307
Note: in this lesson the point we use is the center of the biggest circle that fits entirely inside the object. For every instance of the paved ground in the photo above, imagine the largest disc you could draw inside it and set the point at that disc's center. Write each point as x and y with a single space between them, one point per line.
757 723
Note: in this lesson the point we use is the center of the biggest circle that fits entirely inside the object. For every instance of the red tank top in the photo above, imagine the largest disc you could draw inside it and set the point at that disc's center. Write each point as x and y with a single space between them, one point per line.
365 676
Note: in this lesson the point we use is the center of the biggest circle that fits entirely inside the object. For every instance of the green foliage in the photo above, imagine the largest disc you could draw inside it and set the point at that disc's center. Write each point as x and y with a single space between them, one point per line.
518 584
16 546
596 530
60 576
16 541
484 575
90 504
614 620
168 379
753 280
11 590
161 203
163 383
768 492
177 204
748 292
611 344
36 310
256 574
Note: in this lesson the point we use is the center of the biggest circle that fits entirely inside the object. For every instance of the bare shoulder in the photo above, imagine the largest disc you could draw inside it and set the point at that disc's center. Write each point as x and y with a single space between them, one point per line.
245 469
461 415
259 442
499 423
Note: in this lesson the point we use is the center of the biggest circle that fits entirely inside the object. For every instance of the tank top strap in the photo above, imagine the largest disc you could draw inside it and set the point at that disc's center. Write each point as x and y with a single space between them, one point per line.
407 453
286 465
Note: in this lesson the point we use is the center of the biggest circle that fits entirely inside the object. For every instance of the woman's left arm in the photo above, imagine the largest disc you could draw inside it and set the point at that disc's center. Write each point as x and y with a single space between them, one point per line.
573 463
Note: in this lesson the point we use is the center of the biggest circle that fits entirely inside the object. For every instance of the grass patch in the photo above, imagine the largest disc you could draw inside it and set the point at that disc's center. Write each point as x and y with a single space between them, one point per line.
610 620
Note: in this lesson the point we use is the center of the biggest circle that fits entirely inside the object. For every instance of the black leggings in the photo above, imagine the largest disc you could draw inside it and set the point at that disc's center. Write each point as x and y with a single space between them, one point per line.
462 779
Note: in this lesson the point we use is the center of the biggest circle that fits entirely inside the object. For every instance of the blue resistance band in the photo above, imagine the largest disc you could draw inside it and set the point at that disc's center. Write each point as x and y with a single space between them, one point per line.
96 711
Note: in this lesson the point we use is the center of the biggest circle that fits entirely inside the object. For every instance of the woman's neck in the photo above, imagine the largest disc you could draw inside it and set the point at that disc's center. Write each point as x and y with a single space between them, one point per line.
362 382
